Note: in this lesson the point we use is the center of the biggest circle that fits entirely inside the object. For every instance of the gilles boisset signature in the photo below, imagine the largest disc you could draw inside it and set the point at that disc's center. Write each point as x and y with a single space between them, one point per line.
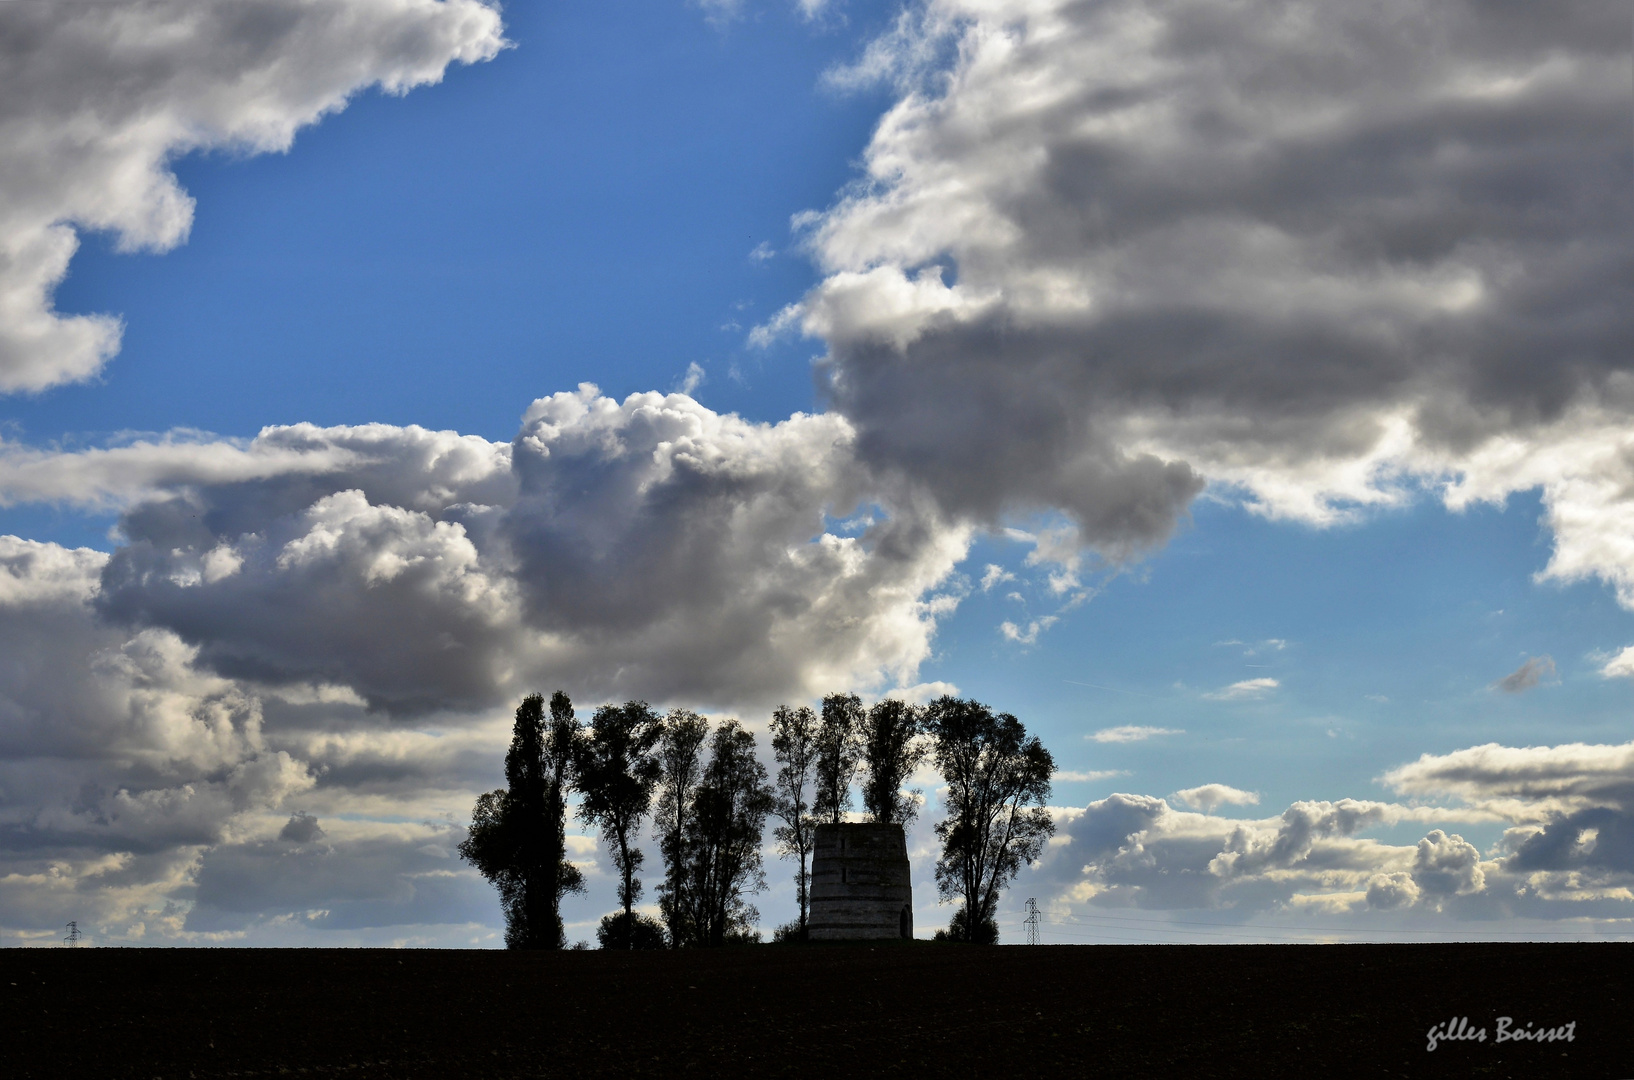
1458 1030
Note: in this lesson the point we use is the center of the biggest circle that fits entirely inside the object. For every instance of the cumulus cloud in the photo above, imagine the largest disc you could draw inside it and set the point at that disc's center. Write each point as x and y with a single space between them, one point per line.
649 547
1131 733
1534 671
1138 851
1246 689
120 758
97 101
1571 810
1319 255
1567 851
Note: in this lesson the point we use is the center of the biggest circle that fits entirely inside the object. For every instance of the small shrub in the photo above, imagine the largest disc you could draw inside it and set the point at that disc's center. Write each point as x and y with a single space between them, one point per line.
958 930
638 932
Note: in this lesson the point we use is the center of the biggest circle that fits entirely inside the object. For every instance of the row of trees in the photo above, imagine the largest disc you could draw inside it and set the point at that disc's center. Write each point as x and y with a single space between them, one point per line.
710 798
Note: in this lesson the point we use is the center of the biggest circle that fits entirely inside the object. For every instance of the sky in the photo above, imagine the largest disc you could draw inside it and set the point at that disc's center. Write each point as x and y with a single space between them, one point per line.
1238 393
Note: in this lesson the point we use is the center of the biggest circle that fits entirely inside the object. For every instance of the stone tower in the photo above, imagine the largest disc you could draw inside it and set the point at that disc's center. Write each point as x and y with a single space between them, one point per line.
861 888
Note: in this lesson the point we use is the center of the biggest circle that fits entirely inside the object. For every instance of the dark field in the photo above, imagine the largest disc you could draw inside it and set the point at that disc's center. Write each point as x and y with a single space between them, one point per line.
817 1012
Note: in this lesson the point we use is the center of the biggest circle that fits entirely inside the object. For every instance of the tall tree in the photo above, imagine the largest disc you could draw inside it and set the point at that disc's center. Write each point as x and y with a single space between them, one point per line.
517 836
729 816
794 744
680 762
998 782
891 750
617 772
837 756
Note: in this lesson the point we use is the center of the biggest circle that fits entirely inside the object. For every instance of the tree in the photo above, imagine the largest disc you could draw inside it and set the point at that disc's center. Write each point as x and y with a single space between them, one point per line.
680 767
724 830
891 750
517 838
837 756
998 782
617 774
794 744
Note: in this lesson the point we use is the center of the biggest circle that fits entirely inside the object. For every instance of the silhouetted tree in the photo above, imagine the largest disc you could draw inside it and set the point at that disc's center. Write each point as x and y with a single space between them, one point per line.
837 755
728 818
680 761
891 750
621 930
517 836
794 744
998 782
617 774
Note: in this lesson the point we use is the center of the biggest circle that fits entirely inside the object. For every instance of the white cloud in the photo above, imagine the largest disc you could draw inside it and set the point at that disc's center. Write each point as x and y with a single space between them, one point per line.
1247 689
1620 666
1132 733
1029 636
1210 797
996 574
762 252
694 378
96 102
1080 776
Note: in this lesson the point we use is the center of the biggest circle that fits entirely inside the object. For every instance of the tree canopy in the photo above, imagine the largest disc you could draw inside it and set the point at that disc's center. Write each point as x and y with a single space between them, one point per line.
794 745
998 780
517 837
617 773
729 816
680 761
892 749
838 753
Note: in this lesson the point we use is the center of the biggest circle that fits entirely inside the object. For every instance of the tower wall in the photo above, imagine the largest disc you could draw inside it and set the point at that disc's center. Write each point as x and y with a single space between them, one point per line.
861 883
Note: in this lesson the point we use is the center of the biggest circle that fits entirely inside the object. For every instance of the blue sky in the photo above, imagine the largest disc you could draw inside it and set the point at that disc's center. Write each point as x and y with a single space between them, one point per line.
1254 400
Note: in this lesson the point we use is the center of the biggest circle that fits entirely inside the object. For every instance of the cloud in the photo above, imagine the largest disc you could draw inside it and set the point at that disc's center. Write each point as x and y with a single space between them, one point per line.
1531 673
694 378
1567 852
301 829
96 103
1210 797
1136 851
1620 666
1079 776
996 574
1571 810
1029 636
1525 784
649 547
1132 733
1247 689
1320 257
762 252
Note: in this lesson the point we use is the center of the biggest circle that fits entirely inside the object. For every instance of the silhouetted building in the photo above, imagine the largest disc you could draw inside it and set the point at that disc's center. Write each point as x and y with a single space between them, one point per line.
861 885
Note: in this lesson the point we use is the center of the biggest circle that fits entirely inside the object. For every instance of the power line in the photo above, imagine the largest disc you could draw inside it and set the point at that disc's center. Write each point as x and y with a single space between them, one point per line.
1032 921
73 934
